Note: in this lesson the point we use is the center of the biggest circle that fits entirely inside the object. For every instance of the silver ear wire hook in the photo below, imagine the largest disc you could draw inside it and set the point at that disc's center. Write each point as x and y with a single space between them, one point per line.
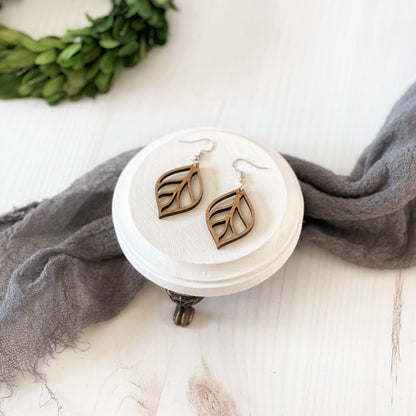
198 156
241 176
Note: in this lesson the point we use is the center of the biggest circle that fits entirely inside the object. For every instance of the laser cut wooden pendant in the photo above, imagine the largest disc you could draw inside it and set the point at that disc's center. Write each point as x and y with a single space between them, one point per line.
169 200
227 222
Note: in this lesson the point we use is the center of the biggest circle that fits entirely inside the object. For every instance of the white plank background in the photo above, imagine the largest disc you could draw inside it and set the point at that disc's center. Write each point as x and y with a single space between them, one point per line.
313 78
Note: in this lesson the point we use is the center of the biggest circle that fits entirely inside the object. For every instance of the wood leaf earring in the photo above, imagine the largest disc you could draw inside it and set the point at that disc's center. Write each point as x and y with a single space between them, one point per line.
180 183
231 216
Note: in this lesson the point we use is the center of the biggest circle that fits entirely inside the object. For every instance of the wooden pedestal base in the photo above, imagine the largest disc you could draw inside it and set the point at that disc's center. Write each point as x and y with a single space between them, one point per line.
184 312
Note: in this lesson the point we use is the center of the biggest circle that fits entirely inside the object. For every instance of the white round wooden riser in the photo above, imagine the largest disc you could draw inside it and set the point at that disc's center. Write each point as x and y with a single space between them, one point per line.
178 252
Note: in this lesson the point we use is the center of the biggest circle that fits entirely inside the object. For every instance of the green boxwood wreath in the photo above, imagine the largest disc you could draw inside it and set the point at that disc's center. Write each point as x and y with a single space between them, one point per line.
83 62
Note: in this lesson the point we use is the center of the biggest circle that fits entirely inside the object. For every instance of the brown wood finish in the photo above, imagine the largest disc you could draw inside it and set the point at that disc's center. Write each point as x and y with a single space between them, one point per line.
175 194
227 222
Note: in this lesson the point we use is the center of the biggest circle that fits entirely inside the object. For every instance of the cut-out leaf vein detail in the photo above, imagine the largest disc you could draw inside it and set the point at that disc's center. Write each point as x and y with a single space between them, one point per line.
227 223
183 187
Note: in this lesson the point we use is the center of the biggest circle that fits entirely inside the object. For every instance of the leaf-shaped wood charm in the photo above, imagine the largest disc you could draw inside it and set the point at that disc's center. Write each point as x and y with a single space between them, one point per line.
226 224
169 191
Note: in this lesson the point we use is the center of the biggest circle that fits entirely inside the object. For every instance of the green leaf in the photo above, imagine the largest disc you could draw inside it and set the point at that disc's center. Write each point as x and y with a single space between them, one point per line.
51 70
88 40
137 25
80 32
109 43
123 31
10 37
69 38
36 80
145 9
37 91
129 36
133 9
90 18
107 62
69 51
30 75
92 71
156 20
131 60
105 35
116 71
67 71
104 24
53 86
33 77
46 57
161 3
162 34
143 47
92 55
90 90
102 81
32 45
9 85
24 90
129 49
77 62
52 42
77 79
19 58
118 26
55 98
4 54
72 90
21 71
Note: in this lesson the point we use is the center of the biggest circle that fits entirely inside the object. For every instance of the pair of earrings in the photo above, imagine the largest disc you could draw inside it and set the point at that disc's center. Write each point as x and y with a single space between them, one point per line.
229 217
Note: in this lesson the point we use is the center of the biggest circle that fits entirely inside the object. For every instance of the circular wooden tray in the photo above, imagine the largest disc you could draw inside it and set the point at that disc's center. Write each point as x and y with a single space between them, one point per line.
178 252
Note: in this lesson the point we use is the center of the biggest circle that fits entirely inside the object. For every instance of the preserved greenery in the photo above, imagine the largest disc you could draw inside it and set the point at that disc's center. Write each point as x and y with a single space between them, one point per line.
83 62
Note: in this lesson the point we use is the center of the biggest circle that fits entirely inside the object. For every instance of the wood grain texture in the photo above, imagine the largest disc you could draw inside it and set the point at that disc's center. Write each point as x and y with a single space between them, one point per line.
225 222
182 184
312 78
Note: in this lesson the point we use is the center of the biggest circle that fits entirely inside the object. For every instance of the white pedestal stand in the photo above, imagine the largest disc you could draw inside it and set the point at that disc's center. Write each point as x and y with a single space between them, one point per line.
178 252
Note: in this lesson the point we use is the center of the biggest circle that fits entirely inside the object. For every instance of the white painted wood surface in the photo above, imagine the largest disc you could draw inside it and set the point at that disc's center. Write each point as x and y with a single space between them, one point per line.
178 252
313 78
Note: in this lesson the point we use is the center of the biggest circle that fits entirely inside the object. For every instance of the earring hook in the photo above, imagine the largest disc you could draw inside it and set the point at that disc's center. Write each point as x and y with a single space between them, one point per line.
198 156
241 176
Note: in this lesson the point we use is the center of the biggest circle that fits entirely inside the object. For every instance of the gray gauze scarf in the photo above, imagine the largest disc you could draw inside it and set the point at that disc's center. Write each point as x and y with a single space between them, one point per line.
61 268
